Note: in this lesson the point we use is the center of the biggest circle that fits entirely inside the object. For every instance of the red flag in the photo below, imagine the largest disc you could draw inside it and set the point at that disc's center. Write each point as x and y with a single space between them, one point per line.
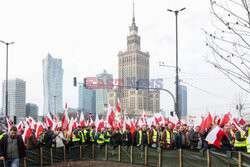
242 121
202 126
39 130
118 106
111 116
132 129
26 133
82 120
208 121
225 119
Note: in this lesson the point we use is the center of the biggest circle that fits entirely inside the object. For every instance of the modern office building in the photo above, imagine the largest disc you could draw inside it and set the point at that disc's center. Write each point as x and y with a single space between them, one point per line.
16 99
133 65
32 111
101 94
86 100
52 85
182 101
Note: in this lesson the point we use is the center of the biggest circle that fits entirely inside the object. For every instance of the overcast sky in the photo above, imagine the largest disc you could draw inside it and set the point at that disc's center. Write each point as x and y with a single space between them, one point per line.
87 36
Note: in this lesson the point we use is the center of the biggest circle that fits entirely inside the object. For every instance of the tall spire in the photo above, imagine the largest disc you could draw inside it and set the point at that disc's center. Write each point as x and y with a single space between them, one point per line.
133 20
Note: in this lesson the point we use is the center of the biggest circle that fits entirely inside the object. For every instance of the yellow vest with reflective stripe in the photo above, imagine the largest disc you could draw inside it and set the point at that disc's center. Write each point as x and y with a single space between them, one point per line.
161 133
168 137
108 138
101 136
154 137
240 143
140 137
74 138
1 136
233 135
248 141
92 138
83 136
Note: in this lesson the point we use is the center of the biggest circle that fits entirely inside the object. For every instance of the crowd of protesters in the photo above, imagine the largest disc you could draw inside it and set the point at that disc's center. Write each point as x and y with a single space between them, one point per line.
12 147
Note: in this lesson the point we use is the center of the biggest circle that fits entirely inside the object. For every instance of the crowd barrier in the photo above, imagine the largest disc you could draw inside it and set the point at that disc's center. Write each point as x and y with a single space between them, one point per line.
135 155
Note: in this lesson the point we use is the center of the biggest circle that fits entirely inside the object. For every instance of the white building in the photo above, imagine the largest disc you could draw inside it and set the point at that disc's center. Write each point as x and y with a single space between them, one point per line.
16 99
52 85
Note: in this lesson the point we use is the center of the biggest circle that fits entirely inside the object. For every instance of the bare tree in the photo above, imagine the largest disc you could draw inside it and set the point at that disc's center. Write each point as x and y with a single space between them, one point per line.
229 42
240 102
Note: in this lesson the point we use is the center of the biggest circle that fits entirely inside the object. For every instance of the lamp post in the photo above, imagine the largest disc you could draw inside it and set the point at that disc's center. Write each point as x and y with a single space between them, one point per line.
177 68
6 81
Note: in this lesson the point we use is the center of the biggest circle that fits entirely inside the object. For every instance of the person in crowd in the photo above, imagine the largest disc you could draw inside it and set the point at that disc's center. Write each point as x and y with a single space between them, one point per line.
76 136
100 137
176 129
127 138
196 141
87 134
240 140
92 134
205 132
155 136
168 136
83 139
248 138
136 136
190 128
32 142
12 148
143 137
180 138
107 135
2 133
60 138
49 137
226 141
116 137
232 132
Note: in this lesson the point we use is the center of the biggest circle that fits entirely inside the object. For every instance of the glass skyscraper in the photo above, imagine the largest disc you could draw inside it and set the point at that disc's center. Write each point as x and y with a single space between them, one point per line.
101 94
16 99
52 85
86 100
182 101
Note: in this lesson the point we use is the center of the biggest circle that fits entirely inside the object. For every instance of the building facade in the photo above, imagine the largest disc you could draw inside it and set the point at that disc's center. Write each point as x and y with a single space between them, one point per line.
134 66
182 101
16 99
52 85
32 111
101 94
86 100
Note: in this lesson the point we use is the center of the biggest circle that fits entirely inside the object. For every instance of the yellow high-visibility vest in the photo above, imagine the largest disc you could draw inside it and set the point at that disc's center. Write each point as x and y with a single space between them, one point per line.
101 136
240 143
74 138
154 137
248 141
140 137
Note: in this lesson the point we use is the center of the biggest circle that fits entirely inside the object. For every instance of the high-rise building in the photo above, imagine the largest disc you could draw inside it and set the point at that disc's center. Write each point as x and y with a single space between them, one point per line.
52 85
86 100
32 111
101 94
16 99
134 66
182 101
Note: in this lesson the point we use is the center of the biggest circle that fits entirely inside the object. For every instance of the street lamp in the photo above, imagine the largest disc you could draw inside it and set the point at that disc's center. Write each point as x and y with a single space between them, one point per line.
177 71
6 82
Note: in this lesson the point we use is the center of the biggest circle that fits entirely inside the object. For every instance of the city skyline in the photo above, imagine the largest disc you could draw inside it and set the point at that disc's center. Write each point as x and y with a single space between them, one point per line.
82 58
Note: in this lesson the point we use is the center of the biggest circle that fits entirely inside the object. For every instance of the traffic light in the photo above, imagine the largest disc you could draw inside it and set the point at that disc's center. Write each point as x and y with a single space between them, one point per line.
74 81
85 82
172 113
137 85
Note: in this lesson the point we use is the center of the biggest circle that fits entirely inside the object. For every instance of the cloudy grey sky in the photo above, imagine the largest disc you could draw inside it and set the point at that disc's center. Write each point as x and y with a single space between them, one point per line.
87 36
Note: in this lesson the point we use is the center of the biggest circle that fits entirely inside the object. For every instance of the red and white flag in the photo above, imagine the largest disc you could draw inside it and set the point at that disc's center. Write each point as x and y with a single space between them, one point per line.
49 120
65 120
71 124
39 129
82 120
174 120
118 106
215 136
27 133
110 116
9 124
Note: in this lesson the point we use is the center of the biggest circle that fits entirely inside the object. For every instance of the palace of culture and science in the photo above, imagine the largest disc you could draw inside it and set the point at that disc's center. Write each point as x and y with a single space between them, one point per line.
134 63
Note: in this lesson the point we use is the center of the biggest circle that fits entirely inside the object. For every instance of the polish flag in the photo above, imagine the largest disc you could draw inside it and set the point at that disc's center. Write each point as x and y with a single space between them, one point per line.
118 106
65 120
71 124
82 121
49 120
110 116
20 126
174 120
39 129
27 133
143 120
9 124
237 127
215 136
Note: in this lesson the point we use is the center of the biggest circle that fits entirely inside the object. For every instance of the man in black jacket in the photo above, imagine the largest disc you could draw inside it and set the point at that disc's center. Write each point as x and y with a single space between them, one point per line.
116 138
12 148
196 139
136 136
127 138
226 141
